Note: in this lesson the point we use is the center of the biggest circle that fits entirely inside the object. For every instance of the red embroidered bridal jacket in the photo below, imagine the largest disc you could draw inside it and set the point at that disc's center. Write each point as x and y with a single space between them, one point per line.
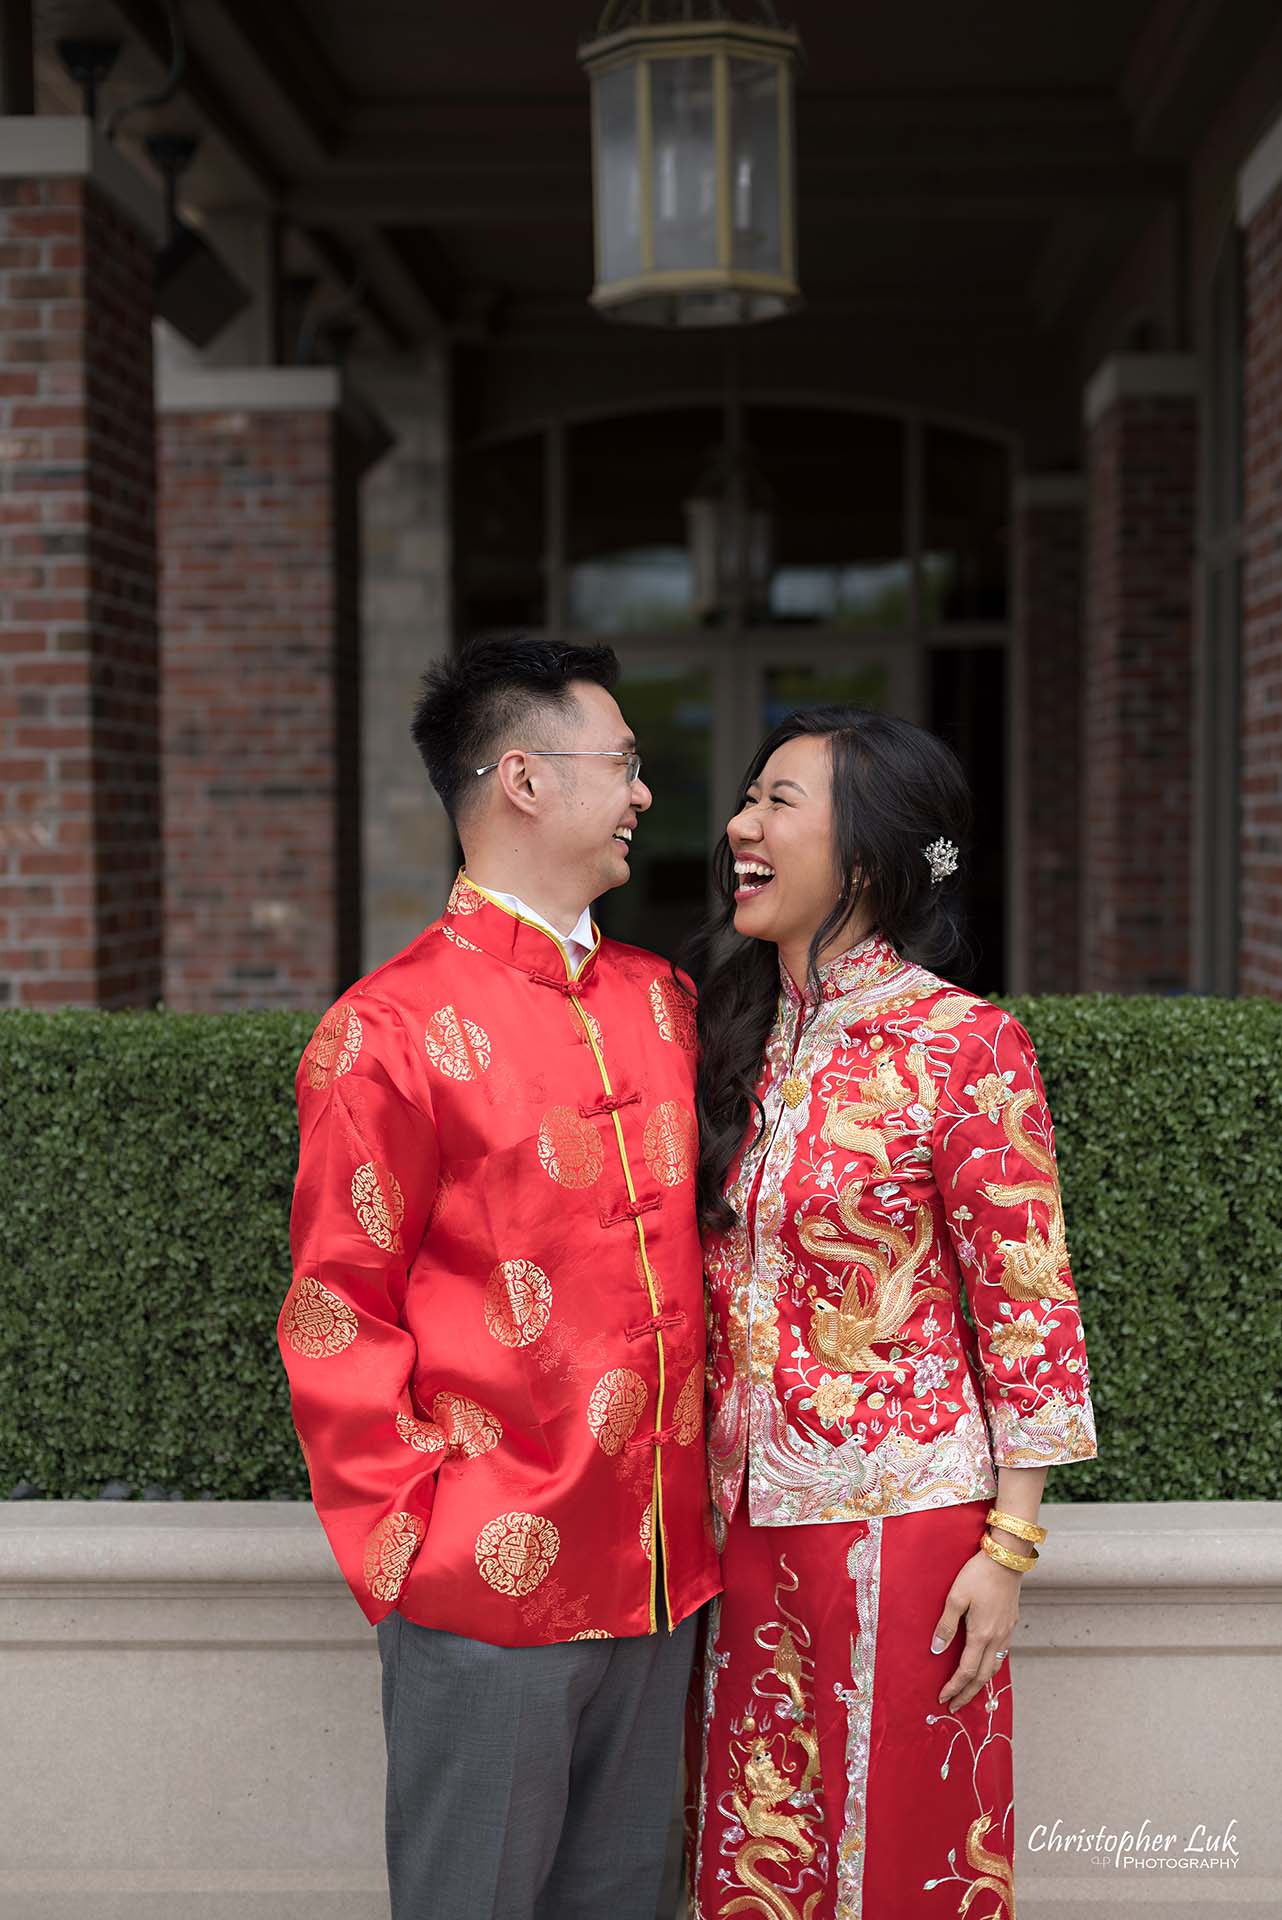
495 1331
907 1156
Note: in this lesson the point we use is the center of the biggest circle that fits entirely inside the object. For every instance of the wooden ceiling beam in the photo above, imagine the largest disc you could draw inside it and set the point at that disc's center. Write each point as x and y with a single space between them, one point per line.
285 50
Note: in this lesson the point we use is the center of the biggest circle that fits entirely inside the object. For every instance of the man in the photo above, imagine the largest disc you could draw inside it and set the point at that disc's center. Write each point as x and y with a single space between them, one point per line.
495 1334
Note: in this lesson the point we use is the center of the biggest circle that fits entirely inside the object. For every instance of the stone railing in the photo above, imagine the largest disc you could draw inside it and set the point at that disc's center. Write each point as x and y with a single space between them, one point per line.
189 1716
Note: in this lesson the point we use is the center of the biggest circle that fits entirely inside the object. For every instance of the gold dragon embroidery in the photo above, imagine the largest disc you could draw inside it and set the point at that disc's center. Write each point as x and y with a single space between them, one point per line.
1031 1267
772 1835
996 1874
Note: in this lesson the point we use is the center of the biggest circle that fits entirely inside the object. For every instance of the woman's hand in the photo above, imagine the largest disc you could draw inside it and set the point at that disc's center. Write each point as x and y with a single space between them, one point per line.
988 1596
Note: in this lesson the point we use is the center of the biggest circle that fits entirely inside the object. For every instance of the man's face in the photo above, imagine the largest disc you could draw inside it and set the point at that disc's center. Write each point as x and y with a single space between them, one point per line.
592 810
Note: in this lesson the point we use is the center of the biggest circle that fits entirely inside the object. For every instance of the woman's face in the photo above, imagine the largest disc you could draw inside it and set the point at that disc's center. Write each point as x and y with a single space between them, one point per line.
785 827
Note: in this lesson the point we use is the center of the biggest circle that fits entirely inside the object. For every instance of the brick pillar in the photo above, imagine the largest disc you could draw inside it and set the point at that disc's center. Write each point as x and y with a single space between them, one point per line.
1260 212
1137 753
259 583
1047 519
80 846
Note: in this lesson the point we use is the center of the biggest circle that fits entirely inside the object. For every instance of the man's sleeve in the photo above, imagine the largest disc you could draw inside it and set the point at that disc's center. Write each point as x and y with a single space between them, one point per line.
367 1172
995 1166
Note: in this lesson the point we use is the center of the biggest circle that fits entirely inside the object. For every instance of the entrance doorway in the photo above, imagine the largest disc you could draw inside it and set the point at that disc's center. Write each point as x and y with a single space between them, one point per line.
885 586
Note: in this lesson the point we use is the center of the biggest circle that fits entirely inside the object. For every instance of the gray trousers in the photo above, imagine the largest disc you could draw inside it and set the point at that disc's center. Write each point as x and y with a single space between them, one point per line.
530 1783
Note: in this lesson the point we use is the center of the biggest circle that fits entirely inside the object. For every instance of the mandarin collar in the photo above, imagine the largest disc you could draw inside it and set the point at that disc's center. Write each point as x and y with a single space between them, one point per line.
872 958
476 917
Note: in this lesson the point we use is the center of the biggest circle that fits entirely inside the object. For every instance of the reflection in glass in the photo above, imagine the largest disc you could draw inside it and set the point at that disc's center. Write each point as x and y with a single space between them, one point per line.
684 181
640 589
789 689
498 519
966 507
871 595
670 711
754 166
618 181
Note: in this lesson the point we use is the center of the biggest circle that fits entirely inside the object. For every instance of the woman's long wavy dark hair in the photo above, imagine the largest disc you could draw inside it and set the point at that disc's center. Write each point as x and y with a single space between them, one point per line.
895 788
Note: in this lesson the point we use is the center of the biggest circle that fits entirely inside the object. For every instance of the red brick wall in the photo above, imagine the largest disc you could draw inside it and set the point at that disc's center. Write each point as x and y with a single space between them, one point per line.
1049 555
80 855
259 720
1137 696
1261 877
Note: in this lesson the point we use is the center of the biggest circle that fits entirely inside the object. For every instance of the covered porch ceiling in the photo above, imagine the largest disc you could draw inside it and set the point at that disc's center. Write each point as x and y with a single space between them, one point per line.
977 165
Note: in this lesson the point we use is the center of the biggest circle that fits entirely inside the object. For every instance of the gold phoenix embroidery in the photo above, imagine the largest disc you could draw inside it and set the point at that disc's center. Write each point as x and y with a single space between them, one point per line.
317 1324
688 1413
390 1553
845 1336
1031 1267
457 1047
671 1143
379 1204
516 1552
518 1303
570 1148
674 1014
855 1124
615 1404
332 1049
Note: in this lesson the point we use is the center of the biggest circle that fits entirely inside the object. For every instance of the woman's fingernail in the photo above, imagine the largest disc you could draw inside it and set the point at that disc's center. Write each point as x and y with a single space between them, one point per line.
937 1645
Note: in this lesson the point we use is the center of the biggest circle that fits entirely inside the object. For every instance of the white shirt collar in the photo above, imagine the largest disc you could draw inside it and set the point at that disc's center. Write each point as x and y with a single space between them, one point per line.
577 944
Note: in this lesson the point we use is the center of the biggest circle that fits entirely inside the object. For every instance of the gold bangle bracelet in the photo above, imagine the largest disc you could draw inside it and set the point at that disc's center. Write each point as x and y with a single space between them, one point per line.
1011 1523
1016 1562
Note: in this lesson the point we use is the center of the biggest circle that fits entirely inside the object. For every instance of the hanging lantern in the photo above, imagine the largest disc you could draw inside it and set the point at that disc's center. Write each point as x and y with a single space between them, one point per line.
730 536
692 163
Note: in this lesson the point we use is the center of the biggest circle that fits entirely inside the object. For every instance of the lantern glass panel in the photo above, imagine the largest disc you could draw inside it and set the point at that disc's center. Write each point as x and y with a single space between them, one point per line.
754 165
684 178
618 173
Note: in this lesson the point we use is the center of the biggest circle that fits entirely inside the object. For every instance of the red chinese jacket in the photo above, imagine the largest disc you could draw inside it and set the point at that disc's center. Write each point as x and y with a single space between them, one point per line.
907 1155
495 1331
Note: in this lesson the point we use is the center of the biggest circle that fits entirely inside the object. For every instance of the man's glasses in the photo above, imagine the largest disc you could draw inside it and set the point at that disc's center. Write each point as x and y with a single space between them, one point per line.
632 767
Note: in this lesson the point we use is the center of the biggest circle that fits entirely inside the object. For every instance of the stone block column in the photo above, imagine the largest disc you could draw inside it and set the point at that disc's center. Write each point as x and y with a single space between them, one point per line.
80 836
1260 213
259 617
1047 518
1137 744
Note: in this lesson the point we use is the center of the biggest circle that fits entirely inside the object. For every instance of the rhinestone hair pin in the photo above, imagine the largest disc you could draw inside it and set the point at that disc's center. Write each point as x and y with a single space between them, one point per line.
942 856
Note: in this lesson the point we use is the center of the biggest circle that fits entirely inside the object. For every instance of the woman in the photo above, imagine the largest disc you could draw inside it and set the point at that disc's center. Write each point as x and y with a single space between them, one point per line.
876 1145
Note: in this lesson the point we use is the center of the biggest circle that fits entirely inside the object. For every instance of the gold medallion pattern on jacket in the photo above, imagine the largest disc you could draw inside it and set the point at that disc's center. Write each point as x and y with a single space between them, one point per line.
645 1532
516 1552
469 1429
390 1553
688 1413
425 1436
464 897
379 1204
317 1323
615 1405
671 1143
570 1149
674 1013
459 1048
518 1303
332 1049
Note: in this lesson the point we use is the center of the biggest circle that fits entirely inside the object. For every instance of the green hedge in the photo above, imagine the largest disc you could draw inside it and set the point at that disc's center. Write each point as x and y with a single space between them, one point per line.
145 1180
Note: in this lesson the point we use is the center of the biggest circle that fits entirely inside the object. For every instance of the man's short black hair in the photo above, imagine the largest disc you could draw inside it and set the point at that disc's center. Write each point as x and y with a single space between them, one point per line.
478 705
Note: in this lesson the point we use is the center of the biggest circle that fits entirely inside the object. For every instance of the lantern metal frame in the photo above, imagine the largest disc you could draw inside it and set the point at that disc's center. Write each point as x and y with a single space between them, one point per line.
643 42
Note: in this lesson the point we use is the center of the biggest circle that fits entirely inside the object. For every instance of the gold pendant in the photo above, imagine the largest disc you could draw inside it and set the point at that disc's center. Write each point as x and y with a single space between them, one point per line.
793 1091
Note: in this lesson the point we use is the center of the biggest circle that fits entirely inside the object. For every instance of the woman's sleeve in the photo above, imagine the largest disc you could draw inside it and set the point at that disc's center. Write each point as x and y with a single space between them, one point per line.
367 1171
994 1157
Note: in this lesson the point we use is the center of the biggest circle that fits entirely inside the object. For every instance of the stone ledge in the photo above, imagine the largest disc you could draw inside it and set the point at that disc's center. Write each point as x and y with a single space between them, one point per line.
1140 376
43 146
1261 175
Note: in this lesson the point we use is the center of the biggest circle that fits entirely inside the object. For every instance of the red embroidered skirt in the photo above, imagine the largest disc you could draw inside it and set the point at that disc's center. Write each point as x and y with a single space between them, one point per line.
827 1783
